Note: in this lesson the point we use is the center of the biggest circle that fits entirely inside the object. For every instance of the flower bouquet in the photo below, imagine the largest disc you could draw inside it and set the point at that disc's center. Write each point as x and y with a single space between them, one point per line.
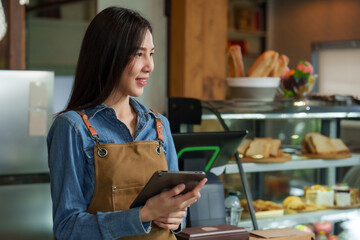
298 82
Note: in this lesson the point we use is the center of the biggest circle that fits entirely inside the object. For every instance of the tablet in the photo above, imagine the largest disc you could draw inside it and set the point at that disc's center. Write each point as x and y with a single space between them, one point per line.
165 180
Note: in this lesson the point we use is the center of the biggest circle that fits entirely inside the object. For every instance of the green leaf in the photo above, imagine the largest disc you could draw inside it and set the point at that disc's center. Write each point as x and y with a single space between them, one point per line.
303 62
298 75
288 93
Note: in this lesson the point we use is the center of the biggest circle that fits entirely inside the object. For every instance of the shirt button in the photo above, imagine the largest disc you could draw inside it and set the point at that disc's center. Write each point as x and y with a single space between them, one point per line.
121 125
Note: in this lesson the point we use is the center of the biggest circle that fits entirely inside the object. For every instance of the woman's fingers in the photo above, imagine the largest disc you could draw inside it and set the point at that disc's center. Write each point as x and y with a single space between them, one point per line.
179 214
195 193
171 221
200 185
166 225
166 220
174 191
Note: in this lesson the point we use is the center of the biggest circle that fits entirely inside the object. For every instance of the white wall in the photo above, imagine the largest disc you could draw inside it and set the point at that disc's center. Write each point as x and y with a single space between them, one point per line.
339 71
155 94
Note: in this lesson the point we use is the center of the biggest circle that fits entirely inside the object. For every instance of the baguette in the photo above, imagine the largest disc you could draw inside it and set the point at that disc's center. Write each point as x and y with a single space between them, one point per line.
235 61
280 66
264 64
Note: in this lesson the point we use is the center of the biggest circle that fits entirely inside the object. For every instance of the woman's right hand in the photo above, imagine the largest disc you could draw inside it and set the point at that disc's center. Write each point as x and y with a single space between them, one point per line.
170 201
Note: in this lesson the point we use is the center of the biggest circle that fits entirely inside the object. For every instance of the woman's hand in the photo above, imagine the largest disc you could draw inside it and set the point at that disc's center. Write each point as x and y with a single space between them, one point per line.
166 207
171 221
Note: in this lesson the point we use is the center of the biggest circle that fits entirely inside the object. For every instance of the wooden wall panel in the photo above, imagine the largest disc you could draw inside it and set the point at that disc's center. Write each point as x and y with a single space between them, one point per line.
16 35
198 49
214 48
193 51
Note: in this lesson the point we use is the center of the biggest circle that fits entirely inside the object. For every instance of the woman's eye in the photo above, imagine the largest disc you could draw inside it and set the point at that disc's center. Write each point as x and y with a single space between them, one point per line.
151 54
139 54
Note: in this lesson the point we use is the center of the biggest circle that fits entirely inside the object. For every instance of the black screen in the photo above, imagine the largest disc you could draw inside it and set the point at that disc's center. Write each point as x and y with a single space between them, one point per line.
205 150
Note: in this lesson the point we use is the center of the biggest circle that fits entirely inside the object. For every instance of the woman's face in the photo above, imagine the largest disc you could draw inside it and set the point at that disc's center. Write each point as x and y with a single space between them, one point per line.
136 73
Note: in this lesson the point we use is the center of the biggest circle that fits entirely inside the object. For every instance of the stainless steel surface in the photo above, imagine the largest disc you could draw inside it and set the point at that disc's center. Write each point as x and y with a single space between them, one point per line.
20 152
26 101
25 211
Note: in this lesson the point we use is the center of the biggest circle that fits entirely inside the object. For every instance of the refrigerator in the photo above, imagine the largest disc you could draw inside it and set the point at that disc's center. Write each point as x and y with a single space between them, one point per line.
26 102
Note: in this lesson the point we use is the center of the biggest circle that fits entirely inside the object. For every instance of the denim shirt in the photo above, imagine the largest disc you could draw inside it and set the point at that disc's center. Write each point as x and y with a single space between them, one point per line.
72 171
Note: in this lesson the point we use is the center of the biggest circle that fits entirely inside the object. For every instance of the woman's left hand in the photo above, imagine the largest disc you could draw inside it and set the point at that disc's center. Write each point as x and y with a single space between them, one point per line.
172 221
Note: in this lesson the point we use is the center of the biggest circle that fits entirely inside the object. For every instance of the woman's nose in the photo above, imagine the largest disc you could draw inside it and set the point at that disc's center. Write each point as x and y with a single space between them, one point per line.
149 64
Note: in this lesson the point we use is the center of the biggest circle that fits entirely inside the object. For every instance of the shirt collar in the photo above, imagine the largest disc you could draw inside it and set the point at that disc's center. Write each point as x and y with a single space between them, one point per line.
139 108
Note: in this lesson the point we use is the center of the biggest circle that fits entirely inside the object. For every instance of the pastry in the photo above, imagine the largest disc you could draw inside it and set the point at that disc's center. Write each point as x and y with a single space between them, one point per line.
294 203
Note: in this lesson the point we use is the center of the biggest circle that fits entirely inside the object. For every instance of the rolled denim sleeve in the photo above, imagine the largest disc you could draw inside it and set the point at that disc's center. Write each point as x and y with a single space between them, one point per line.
70 191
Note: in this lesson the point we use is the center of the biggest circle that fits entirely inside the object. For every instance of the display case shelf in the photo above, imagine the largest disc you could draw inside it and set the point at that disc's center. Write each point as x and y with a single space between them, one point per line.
295 164
280 110
290 220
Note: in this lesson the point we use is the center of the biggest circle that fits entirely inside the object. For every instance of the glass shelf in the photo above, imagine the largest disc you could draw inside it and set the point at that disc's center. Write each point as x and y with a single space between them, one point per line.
236 109
295 164
290 220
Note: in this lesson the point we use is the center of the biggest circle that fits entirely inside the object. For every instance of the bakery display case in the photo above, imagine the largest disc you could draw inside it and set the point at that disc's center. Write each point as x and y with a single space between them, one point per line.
288 121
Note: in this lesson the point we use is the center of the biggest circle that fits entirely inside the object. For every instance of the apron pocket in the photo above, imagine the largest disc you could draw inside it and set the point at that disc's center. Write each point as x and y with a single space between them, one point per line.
122 197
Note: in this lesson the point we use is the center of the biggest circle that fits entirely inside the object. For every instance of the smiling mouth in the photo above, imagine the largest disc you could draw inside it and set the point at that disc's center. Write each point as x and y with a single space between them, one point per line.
141 81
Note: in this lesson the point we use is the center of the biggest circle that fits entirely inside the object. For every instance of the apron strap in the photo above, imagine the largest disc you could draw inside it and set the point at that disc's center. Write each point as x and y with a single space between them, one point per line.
94 134
159 129
92 131
102 152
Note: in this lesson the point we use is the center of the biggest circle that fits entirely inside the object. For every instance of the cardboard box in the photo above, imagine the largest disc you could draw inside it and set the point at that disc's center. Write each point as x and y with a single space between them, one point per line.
281 234
218 232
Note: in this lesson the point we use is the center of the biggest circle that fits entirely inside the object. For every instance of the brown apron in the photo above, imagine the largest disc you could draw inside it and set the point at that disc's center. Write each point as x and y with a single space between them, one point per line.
121 171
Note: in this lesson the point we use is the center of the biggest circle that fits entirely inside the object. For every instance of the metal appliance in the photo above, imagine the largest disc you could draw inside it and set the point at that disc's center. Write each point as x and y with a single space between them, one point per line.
26 102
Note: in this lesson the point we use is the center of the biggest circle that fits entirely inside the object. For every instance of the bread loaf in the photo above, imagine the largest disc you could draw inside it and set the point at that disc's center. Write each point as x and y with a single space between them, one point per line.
264 64
280 66
235 61
244 146
315 142
308 145
259 148
322 144
275 148
339 145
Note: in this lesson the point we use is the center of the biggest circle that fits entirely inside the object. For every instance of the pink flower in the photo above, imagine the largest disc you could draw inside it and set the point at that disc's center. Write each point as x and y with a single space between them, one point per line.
305 66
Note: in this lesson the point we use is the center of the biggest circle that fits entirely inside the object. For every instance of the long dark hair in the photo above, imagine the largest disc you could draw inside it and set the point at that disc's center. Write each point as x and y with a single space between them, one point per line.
109 44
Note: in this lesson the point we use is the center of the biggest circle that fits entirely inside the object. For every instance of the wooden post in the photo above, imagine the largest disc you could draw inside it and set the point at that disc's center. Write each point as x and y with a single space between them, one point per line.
198 49
16 31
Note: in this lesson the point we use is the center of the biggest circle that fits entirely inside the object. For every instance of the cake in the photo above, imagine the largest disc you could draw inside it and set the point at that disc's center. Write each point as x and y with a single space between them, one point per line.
342 195
319 195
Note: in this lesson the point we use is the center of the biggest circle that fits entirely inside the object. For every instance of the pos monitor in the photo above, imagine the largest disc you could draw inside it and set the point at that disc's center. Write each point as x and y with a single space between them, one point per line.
201 152
205 150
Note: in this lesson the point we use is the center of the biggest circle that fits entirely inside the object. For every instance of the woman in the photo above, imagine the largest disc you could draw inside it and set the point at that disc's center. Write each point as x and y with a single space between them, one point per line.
104 146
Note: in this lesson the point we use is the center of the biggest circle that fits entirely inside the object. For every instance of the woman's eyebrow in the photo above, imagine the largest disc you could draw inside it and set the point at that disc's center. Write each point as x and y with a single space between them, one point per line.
143 49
